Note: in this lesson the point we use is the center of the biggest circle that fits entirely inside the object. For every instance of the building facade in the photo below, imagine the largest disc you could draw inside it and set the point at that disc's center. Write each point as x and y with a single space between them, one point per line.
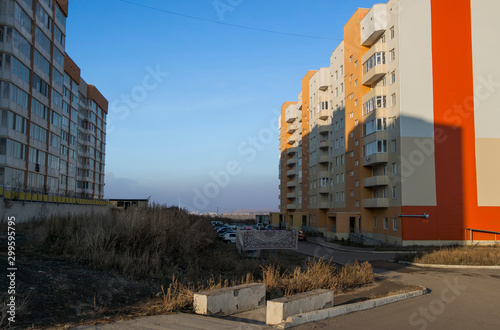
395 140
52 123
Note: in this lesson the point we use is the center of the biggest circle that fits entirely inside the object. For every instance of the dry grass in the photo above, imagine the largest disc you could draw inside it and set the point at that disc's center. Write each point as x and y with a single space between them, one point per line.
180 253
468 255
317 274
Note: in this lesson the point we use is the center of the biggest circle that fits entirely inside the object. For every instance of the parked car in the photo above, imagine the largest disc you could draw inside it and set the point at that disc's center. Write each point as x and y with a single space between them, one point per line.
221 232
268 227
259 226
302 236
229 237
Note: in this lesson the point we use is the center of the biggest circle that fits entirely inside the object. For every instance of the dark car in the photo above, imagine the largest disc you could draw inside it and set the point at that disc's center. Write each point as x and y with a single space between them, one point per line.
302 236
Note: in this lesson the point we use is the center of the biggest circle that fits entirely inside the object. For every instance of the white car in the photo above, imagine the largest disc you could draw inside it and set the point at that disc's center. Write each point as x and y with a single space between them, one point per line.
229 237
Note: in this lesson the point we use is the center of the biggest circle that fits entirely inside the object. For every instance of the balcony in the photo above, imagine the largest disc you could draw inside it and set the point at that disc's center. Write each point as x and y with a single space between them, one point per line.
324 129
376 203
291 140
291 128
323 205
291 118
291 161
379 90
291 206
323 174
291 184
375 74
292 150
375 181
291 173
323 144
324 190
291 195
374 24
323 115
324 159
375 159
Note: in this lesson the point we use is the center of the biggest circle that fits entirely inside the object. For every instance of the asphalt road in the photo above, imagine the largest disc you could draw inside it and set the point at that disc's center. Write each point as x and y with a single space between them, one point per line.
459 298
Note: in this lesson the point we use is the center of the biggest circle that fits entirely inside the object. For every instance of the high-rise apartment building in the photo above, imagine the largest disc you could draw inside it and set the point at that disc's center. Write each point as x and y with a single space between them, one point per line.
396 139
52 123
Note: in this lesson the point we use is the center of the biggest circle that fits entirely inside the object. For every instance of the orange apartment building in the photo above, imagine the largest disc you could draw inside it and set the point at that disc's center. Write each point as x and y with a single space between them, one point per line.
52 123
395 141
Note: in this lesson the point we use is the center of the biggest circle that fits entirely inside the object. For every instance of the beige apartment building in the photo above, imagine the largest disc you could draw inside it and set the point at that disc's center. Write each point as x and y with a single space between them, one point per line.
390 142
52 123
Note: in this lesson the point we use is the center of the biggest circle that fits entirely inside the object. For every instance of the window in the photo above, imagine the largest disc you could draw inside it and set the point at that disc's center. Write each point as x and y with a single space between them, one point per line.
352 193
356 122
395 224
15 94
356 103
58 57
386 223
392 32
393 99
356 143
38 133
19 124
376 59
376 102
59 36
350 58
357 203
351 134
43 17
42 39
23 18
42 63
351 115
350 77
356 83
342 196
351 173
40 85
374 222
393 146
392 55
16 67
60 16
356 64
356 163
394 192
375 125
394 168
393 77
16 150
375 147
357 183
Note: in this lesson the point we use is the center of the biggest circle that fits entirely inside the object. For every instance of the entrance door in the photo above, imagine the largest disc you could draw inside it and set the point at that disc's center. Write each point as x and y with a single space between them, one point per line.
352 224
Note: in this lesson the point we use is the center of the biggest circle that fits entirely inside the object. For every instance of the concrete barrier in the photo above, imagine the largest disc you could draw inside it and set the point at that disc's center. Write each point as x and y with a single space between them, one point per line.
231 300
320 315
278 310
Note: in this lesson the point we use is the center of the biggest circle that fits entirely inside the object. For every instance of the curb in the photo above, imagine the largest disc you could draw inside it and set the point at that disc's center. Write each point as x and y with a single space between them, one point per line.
444 266
332 312
360 251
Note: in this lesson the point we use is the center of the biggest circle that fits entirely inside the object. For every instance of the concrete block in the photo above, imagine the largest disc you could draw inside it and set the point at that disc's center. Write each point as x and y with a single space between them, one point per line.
231 300
366 305
352 307
336 311
278 310
391 299
379 302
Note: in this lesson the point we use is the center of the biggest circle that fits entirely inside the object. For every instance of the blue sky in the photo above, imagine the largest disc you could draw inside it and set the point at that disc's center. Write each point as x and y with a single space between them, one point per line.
194 104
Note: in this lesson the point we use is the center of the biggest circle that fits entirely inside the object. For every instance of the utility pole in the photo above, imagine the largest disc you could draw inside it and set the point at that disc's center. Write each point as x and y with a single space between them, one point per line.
179 202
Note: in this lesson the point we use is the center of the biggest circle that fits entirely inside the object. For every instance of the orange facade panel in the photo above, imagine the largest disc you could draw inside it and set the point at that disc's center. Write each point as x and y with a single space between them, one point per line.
63 4
94 94
71 68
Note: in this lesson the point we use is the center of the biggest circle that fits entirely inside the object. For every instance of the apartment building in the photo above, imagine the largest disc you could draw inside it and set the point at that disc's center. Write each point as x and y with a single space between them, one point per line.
395 141
52 123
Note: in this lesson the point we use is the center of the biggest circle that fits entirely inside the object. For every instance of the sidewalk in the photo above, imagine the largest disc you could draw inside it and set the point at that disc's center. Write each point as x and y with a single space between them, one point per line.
321 241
